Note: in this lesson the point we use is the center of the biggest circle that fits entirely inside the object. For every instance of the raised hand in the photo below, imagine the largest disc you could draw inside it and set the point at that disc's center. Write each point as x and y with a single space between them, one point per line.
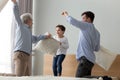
14 1
65 13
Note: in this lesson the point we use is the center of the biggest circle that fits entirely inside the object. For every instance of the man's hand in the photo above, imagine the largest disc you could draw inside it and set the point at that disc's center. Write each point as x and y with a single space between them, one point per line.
14 1
48 35
65 13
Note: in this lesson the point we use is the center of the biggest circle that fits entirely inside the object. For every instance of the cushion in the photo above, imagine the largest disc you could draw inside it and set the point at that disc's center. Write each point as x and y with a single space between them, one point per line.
49 46
105 58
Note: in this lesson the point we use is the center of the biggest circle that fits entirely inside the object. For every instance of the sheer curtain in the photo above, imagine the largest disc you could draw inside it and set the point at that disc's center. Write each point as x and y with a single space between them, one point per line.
5 44
25 6
2 4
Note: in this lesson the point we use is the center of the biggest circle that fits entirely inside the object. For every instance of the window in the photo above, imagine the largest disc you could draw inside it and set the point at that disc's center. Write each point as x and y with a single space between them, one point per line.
5 38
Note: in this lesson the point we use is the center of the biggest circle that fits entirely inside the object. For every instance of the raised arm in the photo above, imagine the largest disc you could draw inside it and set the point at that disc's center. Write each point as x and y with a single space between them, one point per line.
74 22
16 12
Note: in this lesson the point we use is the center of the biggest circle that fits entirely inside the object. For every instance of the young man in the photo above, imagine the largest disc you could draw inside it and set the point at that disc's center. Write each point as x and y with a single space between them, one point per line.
89 41
23 41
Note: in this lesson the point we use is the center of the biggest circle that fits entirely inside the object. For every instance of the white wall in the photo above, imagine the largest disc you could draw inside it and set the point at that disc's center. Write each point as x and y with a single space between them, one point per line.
47 14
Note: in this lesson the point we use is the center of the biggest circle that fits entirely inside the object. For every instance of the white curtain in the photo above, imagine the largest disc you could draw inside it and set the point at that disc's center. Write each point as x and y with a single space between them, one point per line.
5 17
2 4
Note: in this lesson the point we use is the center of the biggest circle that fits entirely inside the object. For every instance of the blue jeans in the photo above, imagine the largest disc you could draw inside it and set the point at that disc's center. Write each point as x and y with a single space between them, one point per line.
57 64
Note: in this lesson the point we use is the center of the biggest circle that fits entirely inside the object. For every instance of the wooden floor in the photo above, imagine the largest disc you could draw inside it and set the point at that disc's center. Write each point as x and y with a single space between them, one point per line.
70 66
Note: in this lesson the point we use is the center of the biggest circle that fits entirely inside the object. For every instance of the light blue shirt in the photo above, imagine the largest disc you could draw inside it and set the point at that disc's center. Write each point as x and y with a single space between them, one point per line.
89 39
24 38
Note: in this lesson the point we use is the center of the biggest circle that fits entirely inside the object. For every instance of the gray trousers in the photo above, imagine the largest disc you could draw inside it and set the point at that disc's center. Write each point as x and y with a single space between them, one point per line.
84 68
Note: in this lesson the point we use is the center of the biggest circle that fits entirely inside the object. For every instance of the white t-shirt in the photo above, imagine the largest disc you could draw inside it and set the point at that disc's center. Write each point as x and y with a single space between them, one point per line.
64 45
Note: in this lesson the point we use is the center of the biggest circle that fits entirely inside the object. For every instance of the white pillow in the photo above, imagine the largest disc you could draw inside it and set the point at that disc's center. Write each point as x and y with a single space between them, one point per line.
105 58
49 46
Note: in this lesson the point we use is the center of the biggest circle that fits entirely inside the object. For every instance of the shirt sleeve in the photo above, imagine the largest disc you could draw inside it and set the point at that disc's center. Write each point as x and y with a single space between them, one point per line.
76 23
97 47
65 44
38 38
16 14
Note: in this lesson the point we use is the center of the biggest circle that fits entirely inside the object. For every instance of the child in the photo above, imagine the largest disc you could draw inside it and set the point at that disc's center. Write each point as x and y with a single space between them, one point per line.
61 52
